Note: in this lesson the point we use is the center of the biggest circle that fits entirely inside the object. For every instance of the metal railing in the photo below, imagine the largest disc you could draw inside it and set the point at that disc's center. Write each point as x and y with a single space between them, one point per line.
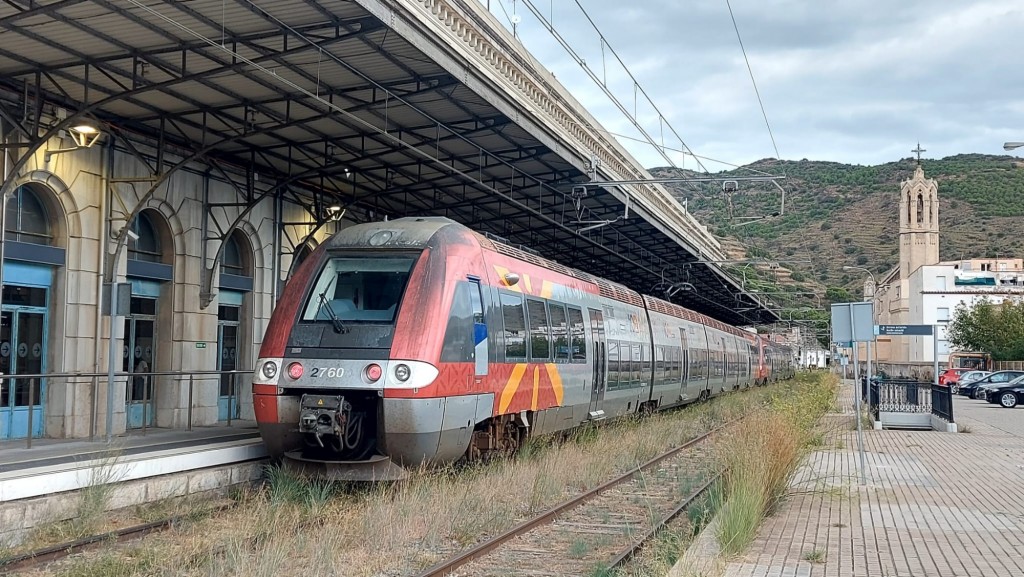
151 384
907 396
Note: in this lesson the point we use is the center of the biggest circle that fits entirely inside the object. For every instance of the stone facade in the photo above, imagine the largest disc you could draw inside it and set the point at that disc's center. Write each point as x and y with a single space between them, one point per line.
87 196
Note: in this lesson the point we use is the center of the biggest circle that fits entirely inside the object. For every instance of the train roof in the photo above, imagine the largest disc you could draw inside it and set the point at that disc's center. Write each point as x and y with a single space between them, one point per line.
421 232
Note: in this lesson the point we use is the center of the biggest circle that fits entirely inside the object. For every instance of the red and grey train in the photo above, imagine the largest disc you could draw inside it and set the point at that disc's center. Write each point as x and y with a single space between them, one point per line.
421 341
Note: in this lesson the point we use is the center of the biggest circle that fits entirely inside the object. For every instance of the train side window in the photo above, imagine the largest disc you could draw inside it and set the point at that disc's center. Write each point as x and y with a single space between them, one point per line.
559 331
662 370
635 372
459 344
540 331
613 365
645 362
515 327
578 332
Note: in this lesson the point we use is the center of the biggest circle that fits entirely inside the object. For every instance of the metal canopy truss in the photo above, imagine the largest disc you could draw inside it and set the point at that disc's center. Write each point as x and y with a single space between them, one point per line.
322 104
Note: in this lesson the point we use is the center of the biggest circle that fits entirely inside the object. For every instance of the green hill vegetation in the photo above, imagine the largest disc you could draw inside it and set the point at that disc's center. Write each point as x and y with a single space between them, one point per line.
840 214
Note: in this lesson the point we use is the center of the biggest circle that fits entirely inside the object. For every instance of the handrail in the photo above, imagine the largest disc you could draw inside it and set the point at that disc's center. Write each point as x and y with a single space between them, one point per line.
146 401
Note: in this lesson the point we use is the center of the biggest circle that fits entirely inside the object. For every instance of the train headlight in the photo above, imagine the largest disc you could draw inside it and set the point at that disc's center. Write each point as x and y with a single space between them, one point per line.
402 373
373 372
269 370
295 371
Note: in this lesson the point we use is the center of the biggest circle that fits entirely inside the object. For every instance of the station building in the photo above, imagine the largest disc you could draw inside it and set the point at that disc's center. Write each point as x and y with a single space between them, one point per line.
62 224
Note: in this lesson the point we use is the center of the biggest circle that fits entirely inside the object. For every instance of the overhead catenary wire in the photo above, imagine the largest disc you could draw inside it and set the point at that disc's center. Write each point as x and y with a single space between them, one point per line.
602 83
752 81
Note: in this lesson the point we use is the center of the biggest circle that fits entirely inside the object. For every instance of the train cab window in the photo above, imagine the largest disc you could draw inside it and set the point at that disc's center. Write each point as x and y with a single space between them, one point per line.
578 333
515 327
540 331
359 289
559 331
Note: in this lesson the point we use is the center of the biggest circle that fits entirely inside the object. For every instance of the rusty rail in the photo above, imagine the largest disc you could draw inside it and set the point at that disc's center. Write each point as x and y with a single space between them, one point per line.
483 548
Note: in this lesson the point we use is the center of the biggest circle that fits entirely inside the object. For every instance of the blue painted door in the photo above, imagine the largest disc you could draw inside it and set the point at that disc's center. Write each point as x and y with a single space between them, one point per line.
22 352
227 360
139 358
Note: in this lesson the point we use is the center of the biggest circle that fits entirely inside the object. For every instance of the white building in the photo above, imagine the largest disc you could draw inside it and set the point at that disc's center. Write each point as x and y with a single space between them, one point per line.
924 291
937 290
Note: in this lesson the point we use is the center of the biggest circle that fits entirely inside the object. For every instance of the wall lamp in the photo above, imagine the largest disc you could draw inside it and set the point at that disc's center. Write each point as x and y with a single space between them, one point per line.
85 134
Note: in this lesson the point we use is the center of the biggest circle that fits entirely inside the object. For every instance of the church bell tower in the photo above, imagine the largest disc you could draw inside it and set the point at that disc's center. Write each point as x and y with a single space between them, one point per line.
919 221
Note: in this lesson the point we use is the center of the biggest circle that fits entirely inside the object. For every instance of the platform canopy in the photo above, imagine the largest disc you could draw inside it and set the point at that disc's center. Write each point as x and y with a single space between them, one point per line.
336 104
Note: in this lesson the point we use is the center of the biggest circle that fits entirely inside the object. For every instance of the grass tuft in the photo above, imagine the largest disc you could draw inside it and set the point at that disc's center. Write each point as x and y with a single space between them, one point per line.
762 453
815 556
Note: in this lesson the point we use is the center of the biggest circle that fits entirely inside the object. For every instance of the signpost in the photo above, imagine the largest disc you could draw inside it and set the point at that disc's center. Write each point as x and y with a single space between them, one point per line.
916 331
854 323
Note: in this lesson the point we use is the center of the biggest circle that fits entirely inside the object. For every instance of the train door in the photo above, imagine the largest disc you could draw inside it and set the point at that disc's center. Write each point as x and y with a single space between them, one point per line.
599 368
479 328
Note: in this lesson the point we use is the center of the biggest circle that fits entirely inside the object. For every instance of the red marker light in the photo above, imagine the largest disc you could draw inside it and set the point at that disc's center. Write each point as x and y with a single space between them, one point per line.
373 372
295 371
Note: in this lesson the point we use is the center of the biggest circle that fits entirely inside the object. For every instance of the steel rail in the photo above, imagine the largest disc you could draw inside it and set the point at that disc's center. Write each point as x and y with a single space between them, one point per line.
479 550
54 552
628 553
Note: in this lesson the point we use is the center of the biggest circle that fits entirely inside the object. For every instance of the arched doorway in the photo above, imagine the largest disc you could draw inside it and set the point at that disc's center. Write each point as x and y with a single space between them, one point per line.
31 256
235 286
149 270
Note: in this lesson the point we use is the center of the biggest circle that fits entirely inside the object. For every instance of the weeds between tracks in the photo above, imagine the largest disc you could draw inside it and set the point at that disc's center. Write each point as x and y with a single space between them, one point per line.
291 525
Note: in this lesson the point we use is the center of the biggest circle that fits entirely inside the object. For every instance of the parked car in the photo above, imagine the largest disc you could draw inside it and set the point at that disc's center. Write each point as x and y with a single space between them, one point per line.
999 377
949 377
967 378
982 390
1008 396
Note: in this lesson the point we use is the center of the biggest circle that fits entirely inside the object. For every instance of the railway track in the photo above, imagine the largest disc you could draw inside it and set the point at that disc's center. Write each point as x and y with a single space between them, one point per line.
599 530
52 553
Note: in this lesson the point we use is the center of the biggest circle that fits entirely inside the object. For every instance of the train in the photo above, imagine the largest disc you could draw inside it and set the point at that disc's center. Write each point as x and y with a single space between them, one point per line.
419 341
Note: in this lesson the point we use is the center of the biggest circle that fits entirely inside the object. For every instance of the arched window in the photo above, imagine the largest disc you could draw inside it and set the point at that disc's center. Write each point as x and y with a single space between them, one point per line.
920 209
148 247
910 204
234 260
27 218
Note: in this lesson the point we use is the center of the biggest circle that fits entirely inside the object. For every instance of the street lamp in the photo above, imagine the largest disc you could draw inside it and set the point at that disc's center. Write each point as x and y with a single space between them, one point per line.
85 134
1012 145
850 267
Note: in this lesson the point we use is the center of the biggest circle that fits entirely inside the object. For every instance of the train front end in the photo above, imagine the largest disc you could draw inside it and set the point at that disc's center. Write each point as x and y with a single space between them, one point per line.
352 328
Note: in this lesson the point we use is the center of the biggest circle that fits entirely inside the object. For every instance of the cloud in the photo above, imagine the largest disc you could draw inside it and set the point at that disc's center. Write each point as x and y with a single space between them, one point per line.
857 81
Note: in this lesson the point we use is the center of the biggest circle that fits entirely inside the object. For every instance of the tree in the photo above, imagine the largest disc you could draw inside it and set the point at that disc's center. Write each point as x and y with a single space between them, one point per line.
989 327
835 294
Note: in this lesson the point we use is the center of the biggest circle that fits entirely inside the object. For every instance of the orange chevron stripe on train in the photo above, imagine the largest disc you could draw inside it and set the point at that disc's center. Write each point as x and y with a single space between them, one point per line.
420 341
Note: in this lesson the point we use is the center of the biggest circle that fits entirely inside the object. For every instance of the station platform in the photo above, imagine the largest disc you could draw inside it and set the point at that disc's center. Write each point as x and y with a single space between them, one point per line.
935 504
57 465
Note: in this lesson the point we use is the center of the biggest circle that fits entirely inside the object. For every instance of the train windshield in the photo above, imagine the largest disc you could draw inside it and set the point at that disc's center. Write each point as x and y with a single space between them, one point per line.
358 289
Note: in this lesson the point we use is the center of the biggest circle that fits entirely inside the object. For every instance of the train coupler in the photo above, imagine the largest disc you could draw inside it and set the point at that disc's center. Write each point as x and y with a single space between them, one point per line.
321 415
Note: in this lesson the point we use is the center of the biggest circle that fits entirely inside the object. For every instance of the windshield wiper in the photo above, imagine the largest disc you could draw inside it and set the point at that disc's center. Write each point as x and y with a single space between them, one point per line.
339 327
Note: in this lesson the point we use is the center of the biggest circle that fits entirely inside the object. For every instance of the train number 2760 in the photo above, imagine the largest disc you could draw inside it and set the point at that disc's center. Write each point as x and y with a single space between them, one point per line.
330 373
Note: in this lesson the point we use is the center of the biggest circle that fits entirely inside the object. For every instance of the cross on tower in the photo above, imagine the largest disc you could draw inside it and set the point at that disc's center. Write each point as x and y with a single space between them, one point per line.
918 150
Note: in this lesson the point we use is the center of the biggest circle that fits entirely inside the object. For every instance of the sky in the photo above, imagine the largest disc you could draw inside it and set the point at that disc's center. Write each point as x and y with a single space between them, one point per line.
853 81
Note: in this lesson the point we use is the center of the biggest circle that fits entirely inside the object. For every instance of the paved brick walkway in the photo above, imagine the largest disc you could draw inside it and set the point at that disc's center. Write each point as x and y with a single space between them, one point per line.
935 505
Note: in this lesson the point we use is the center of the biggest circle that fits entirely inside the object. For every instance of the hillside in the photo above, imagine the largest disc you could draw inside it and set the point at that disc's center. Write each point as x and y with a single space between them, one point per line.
839 214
